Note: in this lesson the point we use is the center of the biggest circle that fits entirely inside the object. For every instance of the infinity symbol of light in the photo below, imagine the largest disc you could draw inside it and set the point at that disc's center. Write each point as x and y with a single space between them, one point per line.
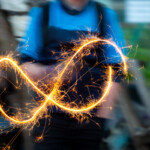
49 97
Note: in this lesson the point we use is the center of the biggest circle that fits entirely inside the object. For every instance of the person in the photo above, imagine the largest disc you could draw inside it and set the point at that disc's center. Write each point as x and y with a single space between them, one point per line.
40 51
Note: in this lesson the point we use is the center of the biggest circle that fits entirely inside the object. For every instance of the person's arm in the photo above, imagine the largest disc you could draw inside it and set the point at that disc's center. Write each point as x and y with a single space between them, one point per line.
50 73
113 32
38 71
31 47
106 108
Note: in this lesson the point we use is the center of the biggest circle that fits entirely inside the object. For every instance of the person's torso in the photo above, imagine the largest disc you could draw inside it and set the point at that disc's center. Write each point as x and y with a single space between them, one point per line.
65 29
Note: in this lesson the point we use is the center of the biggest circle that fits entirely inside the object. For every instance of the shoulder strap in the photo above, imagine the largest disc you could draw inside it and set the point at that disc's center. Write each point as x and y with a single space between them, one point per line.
101 18
46 13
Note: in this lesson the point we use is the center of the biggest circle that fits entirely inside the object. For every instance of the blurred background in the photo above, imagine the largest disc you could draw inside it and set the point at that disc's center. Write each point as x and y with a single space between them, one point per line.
131 126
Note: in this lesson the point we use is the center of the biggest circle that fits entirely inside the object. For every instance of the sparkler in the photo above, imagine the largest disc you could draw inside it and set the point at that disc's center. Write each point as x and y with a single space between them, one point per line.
50 99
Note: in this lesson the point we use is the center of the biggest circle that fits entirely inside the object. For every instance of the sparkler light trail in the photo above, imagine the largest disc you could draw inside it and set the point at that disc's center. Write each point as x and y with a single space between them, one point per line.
50 98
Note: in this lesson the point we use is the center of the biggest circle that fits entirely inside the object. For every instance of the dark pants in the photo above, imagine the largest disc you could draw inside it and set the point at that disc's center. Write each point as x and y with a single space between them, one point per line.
65 133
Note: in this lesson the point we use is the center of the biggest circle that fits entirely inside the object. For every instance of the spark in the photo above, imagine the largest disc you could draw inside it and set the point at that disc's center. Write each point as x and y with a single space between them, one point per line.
39 138
52 98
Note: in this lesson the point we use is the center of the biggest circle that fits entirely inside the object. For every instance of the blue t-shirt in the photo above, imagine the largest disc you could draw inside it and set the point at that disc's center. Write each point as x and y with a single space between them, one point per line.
33 44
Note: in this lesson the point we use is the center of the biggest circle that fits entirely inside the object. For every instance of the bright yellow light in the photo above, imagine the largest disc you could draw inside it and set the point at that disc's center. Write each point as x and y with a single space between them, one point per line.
49 99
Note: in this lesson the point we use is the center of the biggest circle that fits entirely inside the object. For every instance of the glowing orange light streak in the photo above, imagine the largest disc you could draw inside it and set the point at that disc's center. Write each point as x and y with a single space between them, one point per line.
49 98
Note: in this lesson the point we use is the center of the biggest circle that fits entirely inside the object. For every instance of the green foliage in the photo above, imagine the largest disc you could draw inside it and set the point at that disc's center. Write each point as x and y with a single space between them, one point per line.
139 38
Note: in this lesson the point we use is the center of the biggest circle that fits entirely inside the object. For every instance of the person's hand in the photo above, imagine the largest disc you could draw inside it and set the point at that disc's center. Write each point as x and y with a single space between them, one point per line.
106 108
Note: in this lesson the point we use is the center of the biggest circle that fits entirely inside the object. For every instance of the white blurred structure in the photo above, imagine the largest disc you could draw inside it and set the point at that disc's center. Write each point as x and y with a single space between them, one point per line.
137 11
18 24
17 11
14 5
